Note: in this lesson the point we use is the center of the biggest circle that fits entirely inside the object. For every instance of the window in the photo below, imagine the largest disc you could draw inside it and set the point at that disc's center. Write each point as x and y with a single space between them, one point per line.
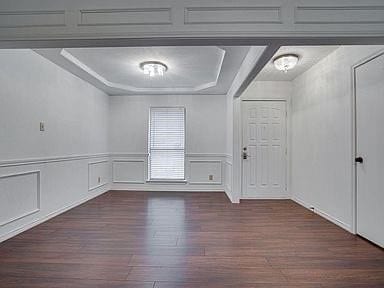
166 143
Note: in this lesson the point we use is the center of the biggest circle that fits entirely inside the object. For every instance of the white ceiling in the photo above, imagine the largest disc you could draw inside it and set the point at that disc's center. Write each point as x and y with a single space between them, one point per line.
308 56
191 69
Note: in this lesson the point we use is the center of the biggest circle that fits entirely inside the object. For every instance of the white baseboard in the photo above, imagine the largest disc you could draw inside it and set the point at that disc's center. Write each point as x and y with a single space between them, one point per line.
230 197
283 197
167 190
323 214
51 215
167 187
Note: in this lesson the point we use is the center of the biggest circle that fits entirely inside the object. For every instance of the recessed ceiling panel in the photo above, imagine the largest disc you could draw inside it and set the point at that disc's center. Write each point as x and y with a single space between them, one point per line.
116 70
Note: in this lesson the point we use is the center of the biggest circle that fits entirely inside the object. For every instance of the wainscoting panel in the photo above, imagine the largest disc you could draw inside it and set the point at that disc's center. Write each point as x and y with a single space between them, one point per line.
179 19
98 174
129 171
205 172
232 15
35 190
21 192
339 14
20 19
135 16
228 176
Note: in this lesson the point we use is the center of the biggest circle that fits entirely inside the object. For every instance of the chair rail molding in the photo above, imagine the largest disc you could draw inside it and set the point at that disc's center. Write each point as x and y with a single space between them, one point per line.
44 160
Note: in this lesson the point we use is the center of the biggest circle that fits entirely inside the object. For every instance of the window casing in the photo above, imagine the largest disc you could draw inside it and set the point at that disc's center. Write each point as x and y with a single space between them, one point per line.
166 143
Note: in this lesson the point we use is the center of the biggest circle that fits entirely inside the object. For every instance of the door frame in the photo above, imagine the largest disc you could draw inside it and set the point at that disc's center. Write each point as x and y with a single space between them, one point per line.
287 146
354 136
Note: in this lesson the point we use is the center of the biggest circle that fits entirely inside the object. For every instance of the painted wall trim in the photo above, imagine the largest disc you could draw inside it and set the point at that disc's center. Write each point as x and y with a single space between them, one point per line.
218 15
207 182
351 14
129 161
49 216
37 172
138 154
43 160
268 20
323 214
168 187
32 19
89 167
87 16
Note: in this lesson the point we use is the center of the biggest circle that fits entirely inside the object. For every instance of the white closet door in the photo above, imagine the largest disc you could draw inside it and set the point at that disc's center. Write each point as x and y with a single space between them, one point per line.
264 145
370 147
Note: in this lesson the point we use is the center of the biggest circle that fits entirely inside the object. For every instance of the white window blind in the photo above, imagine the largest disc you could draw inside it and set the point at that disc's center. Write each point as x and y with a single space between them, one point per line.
166 143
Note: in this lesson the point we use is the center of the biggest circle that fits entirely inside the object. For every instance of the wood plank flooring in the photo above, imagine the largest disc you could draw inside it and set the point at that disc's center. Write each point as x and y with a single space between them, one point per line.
188 240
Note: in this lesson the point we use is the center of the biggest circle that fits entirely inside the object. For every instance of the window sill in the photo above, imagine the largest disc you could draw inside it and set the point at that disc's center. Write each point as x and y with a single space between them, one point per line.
166 181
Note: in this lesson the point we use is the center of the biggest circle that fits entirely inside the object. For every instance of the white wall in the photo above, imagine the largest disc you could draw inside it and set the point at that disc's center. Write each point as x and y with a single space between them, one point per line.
321 138
268 90
44 173
205 140
229 148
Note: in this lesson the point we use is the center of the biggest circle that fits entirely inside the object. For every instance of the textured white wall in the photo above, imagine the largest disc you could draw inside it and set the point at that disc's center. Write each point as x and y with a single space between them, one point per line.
229 147
268 90
205 122
205 141
76 122
32 90
321 134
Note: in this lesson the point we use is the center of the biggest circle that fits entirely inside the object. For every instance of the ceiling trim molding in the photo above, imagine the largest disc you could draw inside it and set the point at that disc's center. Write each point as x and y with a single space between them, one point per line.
128 88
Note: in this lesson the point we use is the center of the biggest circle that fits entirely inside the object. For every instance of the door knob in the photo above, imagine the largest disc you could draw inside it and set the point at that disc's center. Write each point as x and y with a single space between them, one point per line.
359 160
244 154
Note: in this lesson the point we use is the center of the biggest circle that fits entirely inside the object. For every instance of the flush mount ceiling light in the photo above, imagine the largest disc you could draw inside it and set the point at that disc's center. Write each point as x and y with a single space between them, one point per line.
153 68
286 62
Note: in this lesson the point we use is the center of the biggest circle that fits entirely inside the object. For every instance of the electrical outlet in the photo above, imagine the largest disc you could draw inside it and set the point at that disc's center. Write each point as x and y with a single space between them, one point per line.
42 126
210 177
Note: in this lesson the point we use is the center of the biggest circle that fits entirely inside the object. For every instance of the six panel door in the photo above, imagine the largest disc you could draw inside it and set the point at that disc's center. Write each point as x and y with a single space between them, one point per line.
264 145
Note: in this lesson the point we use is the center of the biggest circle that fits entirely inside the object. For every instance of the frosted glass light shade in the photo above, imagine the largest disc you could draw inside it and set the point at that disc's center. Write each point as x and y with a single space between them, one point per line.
153 68
286 62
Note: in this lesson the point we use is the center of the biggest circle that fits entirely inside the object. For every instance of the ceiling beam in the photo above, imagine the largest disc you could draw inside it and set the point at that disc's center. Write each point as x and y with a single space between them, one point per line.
253 63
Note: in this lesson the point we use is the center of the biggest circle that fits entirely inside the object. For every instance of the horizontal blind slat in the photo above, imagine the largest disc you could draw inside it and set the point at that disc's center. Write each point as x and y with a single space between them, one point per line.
166 147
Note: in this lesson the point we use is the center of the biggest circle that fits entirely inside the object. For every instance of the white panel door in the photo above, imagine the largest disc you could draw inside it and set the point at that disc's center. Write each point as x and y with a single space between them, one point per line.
264 147
370 147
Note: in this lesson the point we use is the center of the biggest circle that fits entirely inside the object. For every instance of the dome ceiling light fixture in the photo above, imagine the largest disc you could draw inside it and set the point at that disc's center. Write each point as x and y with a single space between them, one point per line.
153 68
286 62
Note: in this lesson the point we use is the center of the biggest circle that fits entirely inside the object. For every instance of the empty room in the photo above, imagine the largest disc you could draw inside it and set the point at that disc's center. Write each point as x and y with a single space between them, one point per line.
180 144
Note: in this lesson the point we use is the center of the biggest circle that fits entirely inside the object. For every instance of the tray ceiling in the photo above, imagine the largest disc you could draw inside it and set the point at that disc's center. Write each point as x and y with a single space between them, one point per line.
116 70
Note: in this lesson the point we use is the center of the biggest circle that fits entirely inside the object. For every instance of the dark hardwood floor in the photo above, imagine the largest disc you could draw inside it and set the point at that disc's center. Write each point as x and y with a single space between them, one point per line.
188 240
